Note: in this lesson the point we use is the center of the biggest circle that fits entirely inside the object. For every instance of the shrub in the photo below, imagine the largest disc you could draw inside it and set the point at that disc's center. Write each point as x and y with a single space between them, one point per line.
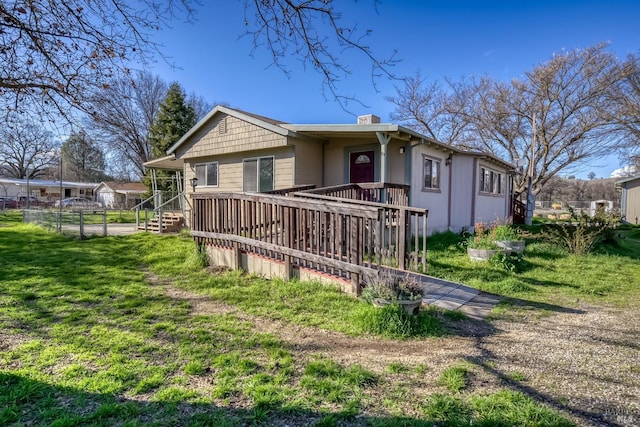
512 263
583 232
392 288
482 238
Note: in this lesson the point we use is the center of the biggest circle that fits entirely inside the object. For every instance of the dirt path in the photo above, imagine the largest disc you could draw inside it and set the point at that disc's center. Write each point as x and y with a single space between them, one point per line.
584 363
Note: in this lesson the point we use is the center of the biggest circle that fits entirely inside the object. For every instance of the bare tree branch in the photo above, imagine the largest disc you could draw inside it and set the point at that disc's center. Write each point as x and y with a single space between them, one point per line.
55 55
570 100
310 31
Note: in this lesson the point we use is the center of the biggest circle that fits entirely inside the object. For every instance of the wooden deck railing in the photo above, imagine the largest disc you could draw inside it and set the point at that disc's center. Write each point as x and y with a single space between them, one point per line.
329 237
290 190
379 192
344 237
399 228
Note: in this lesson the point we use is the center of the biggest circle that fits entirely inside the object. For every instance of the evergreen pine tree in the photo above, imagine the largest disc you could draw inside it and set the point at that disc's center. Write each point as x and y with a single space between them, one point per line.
175 118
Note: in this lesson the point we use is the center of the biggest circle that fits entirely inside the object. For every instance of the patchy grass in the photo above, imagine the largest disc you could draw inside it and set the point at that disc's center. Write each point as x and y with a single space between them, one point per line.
549 274
87 339
454 378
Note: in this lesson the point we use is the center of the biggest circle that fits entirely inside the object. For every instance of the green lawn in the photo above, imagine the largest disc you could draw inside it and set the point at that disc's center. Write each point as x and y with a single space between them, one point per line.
547 273
88 336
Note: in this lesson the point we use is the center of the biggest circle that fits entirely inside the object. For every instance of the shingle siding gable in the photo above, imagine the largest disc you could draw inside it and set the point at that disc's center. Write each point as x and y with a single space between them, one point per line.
225 134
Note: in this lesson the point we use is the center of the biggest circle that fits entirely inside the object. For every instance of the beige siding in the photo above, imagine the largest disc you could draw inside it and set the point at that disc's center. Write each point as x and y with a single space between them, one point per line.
230 169
336 171
308 162
225 134
395 163
633 202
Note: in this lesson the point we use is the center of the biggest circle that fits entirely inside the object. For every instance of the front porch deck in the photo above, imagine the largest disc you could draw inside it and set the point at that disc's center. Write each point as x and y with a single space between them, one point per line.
333 236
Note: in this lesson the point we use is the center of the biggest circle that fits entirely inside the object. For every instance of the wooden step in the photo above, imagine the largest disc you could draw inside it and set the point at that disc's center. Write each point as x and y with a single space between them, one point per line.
171 223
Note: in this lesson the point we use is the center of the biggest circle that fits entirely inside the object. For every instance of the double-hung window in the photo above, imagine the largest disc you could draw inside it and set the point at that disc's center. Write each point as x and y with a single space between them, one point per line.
431 173
491 182
257 174
207 174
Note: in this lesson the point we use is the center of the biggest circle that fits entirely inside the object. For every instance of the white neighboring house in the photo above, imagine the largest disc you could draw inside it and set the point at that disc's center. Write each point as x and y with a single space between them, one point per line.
124 195
46 190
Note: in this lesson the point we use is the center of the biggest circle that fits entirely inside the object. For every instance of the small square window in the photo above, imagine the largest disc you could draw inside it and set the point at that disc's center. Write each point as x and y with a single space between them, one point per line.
431 173
491 182
207 174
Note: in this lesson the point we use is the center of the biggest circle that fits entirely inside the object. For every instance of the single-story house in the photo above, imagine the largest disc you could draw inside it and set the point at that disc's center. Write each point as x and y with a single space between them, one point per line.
120 195
630 199
232 150
45 190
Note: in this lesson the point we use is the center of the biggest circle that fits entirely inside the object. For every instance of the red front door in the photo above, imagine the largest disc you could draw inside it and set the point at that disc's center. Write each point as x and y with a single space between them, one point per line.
361 166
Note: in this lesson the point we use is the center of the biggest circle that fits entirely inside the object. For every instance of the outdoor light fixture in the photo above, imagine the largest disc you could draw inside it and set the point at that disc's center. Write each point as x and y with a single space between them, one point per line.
448 160
194 183
401 150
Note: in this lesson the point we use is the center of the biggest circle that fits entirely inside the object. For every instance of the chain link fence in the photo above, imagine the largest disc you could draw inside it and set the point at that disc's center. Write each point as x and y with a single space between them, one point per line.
78 223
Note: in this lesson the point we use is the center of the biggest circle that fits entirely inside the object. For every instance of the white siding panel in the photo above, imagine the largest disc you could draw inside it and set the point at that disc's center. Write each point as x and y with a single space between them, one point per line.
462 192
436 201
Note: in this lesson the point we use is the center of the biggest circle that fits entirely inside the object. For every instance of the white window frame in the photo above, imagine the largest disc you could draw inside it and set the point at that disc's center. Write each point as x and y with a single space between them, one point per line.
438 166
206 174
257 159
492 182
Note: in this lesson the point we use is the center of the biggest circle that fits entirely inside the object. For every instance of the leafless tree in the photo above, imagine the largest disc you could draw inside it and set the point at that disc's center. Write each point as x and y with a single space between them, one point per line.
311 31
199 104
82 159
428 108
557 117
122 118
26 150
627 115
57 54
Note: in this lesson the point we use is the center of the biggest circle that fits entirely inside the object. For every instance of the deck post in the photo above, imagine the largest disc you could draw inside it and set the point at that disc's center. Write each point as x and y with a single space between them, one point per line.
288 268
237 256
356 288
402 240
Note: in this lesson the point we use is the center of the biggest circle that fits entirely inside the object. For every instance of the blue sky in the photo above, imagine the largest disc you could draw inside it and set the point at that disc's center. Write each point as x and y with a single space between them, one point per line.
438 38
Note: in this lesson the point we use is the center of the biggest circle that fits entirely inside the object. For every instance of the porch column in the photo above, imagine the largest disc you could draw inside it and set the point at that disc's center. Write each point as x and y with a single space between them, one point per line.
384 140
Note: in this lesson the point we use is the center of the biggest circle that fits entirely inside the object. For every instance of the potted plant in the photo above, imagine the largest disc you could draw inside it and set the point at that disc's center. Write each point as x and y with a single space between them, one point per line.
509 239
386 289
482 246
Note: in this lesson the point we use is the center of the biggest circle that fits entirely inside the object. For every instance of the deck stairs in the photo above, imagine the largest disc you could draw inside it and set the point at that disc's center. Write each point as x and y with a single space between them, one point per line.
172 222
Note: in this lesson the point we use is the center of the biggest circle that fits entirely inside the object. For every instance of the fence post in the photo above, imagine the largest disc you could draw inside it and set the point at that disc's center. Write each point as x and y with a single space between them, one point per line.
104 222
81 225
137 218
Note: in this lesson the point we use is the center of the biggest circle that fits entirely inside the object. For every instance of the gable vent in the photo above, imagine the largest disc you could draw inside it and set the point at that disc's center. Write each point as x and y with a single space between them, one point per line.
222 126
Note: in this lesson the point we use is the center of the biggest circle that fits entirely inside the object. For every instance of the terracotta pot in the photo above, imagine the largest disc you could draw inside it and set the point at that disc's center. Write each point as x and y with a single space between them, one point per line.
482 254
410 306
